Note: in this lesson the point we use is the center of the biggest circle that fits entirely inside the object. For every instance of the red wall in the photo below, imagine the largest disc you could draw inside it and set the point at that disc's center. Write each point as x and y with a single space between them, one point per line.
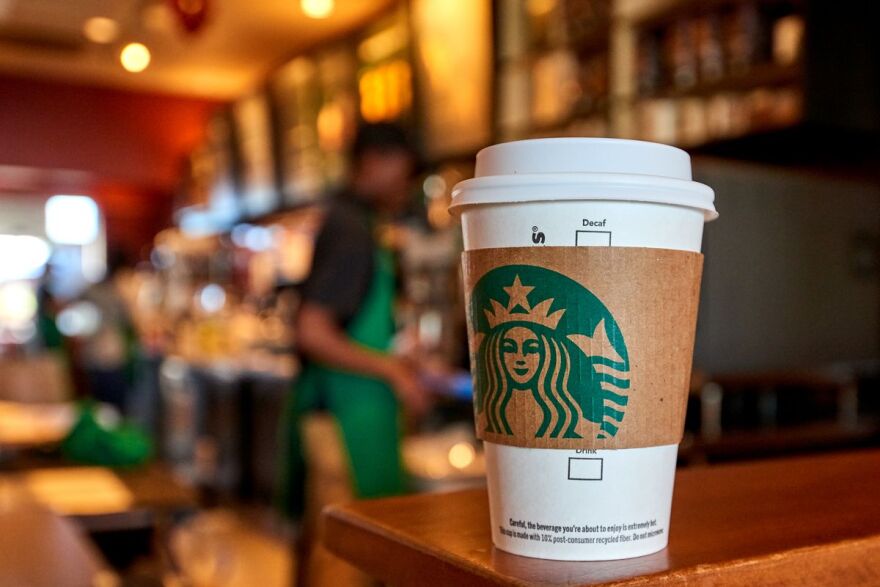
134 216
132 145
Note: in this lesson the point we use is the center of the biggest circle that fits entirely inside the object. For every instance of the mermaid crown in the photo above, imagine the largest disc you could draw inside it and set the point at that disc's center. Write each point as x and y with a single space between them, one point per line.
519 293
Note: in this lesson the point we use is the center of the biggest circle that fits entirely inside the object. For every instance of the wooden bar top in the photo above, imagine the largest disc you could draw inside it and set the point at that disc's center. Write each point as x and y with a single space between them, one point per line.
805 521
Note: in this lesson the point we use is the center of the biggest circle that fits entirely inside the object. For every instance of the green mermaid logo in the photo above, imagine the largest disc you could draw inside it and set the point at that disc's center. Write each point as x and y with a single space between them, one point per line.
566 350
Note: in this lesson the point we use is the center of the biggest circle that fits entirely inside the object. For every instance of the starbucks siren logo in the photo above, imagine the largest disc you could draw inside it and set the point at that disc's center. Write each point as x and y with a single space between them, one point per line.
554 339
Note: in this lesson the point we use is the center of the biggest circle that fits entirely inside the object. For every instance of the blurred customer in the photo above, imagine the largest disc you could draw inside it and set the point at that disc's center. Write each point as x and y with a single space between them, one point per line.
344 330
105 353
50 338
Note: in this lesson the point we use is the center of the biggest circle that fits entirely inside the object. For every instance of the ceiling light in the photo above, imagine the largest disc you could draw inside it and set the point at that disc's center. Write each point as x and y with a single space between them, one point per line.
135 57
317 8
100 29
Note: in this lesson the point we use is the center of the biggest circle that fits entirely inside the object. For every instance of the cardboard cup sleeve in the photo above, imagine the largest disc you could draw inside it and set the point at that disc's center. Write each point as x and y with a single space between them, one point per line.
581 347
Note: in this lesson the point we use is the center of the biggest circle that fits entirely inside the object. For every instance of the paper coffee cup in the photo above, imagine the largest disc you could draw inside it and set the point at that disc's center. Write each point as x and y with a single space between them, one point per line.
582 273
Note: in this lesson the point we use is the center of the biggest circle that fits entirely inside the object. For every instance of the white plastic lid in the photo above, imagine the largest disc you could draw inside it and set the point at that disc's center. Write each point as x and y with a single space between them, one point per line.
582 155
583 168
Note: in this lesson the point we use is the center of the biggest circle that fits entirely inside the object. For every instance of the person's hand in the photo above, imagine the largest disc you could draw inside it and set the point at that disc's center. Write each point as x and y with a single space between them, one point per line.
408 388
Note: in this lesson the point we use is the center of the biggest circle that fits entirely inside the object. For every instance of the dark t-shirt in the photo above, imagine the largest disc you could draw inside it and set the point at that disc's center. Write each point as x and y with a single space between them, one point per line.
342 267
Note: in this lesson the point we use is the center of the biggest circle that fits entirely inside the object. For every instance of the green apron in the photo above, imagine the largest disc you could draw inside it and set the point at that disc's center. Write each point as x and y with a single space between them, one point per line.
365 408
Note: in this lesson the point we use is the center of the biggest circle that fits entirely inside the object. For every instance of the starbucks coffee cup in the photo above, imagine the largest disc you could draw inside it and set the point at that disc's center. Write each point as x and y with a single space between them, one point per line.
582 269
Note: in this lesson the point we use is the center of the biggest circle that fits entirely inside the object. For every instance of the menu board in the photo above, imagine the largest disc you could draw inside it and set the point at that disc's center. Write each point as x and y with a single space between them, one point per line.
384 73
454 62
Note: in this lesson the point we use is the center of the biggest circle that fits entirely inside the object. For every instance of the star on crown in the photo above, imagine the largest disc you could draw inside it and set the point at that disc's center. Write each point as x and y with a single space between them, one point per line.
519 298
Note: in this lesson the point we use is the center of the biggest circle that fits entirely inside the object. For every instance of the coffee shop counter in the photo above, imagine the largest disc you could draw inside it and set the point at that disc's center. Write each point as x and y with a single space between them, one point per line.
806 521
219 420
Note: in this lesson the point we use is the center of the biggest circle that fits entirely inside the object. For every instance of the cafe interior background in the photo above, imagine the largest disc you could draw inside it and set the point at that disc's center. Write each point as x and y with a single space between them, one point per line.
194 141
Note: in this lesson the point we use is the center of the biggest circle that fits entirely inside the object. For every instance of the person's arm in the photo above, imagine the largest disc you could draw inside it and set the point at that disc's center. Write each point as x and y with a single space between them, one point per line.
320 338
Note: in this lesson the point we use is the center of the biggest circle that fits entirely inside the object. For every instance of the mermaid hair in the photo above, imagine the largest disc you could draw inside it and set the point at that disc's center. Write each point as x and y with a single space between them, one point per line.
563 388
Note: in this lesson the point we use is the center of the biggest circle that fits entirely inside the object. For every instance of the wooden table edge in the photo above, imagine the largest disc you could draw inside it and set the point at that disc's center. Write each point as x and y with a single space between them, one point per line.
345 531
339 522
841 562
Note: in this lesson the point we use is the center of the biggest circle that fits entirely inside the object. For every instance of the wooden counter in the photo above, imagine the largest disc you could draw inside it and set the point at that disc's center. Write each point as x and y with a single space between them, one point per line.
99 498
811 520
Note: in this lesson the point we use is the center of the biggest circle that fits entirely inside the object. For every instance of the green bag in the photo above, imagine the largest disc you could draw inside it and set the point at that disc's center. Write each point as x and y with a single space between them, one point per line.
91 443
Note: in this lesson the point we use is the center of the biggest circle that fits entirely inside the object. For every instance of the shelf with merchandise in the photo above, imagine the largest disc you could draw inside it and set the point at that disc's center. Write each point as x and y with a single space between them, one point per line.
552 68
707 72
